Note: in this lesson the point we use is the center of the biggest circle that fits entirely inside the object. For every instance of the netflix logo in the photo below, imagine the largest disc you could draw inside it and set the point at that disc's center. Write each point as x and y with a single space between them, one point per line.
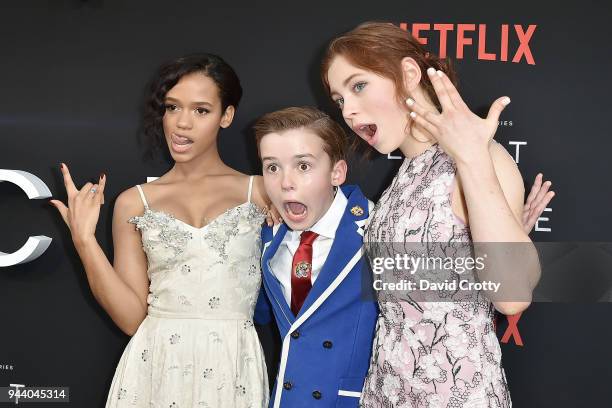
497 45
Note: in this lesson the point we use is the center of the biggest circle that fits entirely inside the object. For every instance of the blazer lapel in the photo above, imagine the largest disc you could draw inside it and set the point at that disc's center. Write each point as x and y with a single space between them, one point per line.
270 281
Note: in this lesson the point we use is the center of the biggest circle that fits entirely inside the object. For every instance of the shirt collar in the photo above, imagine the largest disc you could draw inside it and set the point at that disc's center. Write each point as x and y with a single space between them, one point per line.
328 223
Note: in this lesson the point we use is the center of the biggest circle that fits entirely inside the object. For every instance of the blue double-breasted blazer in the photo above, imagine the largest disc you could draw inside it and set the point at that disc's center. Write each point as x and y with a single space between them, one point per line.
325 348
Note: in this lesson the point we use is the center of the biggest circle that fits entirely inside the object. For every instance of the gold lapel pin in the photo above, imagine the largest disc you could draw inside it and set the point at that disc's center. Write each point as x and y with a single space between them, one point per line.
357 211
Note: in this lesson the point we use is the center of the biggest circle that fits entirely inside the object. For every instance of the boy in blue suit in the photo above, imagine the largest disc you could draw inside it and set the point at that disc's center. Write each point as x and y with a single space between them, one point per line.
312 263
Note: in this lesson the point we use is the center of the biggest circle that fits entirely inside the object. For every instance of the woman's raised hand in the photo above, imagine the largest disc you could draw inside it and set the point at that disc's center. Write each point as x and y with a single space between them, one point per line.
460 132
83 210
273 217
538 199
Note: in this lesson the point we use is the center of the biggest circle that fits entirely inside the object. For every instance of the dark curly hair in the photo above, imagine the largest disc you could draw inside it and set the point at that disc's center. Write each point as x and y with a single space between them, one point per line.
168 75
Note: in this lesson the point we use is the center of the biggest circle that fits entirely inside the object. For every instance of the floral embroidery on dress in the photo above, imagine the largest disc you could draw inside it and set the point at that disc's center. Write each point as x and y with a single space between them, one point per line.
207 373
218 235
214 302
204 284
184 301
122 393
170 235
253 271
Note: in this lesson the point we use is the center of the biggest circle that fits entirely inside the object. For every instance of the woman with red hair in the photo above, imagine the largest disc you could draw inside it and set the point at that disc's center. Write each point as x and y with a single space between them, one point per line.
455 187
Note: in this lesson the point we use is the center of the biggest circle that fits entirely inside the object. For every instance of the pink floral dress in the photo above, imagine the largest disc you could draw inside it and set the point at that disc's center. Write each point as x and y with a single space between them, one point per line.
430 354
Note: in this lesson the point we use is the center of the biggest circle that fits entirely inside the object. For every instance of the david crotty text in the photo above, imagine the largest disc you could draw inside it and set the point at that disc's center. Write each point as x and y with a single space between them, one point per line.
423 284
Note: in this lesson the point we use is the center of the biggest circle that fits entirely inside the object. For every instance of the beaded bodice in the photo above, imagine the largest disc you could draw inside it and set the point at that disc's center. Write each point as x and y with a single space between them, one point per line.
211 271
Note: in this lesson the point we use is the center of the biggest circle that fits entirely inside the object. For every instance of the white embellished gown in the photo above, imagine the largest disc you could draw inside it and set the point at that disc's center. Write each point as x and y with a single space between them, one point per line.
197 346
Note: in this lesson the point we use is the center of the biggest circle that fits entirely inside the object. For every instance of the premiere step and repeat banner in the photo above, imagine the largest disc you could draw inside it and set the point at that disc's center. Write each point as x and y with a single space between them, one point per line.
73 77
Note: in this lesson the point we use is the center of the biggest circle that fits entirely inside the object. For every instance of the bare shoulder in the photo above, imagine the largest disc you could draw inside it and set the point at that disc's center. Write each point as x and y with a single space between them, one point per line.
128 204
237 184
500 155
509 176
505 166
259 196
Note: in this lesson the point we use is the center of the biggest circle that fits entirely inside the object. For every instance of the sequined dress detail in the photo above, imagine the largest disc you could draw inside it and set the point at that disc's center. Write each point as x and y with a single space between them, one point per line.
429 354
197 346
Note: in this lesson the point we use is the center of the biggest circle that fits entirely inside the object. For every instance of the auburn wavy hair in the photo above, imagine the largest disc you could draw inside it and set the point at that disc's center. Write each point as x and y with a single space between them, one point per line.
379 47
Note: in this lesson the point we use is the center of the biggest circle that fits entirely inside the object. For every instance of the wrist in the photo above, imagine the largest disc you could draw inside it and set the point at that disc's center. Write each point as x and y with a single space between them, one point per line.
83 241
477 159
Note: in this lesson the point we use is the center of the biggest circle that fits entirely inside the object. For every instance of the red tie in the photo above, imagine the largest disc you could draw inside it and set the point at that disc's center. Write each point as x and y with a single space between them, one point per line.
301 271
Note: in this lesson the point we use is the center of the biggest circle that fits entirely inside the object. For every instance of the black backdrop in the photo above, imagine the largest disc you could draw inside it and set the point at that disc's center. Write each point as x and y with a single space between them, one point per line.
72 76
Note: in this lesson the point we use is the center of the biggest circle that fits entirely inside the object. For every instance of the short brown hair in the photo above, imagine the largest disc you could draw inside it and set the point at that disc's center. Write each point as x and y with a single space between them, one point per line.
380 47
333 136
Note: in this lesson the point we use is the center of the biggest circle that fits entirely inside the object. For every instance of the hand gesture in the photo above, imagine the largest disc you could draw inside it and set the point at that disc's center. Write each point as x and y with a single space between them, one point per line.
538 199
272 215
83 209
461 133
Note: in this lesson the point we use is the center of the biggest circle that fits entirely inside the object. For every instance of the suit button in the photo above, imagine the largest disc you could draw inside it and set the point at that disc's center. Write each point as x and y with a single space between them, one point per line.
327 344
295 334
287 385
316 395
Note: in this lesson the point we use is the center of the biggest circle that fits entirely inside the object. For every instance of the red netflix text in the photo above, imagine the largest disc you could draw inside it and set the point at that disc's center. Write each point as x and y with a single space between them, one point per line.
472 35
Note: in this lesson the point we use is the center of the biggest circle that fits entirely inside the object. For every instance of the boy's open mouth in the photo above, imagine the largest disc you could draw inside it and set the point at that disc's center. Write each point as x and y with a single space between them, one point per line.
295 210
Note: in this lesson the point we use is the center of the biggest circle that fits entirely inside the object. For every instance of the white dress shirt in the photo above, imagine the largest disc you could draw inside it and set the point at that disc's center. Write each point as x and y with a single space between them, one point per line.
281 262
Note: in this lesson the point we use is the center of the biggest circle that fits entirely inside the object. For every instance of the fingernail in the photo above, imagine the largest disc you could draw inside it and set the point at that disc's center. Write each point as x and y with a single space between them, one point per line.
413 114
61 166
431 71
440 73
409 101
505 101
102 175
